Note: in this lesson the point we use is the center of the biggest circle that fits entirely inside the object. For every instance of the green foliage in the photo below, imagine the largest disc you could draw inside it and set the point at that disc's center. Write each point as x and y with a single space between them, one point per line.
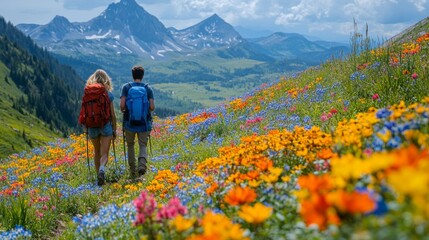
38 95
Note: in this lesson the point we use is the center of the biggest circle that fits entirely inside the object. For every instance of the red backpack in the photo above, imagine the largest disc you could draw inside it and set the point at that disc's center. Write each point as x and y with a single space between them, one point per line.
95 110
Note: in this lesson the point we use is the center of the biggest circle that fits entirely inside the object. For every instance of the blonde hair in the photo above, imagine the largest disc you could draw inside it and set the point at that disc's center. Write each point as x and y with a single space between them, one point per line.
100 76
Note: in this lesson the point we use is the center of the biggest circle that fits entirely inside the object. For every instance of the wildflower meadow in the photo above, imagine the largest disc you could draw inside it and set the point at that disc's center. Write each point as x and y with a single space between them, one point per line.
338 151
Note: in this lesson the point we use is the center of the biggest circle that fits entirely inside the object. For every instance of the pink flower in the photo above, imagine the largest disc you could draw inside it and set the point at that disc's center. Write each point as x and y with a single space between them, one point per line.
375 96
201 209
145 205
414 76
39 214
324 117
252 121
368 152
171 210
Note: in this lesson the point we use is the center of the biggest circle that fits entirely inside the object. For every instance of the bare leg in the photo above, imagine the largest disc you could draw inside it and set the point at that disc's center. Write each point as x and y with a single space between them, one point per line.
105 146
97 153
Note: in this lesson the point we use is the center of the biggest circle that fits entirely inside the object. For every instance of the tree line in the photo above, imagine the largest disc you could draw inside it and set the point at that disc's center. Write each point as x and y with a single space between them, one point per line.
52 91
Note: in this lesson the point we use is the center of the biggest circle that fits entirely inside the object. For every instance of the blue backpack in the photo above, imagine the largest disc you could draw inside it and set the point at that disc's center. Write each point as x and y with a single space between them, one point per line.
137 103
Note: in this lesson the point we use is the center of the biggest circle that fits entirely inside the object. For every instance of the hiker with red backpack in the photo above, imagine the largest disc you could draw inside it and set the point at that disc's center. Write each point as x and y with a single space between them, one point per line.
98 116
137 103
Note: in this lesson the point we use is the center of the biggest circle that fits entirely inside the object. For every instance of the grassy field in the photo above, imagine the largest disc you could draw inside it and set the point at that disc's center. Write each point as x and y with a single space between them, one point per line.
339 151
208 93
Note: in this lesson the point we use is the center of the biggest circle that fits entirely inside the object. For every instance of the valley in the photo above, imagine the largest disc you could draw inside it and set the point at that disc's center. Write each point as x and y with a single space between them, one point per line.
210 56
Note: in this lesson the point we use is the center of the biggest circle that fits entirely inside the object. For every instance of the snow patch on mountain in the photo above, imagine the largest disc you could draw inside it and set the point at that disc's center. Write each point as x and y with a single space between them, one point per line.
92 37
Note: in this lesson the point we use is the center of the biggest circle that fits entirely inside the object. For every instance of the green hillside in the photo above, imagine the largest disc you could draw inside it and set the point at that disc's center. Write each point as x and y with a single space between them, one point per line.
19 129
39 98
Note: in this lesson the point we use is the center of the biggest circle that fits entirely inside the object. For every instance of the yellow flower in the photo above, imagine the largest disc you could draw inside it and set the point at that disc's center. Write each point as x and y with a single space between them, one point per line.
254 183
218 226
273 176
348 167
385 137
286 178
256 214
182 224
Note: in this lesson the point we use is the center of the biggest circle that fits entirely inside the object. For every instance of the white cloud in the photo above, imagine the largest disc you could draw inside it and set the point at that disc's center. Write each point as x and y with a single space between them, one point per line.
421 5
330 18
85 4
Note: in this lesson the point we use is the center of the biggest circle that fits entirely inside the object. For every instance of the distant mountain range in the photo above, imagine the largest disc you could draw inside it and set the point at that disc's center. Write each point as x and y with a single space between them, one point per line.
128 29
210 55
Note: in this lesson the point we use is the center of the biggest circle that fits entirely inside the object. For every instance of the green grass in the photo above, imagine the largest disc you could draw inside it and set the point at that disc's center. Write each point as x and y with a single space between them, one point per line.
208 93
19 131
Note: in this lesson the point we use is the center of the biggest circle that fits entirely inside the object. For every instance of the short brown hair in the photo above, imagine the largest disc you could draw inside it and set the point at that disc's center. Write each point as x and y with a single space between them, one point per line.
138 72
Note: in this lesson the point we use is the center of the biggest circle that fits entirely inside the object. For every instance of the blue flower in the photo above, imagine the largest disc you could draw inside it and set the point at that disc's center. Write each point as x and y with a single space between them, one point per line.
377 144
383 113
394 142
17 233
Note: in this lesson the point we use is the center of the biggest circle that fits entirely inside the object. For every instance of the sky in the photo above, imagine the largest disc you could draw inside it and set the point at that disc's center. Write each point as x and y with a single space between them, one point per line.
331 20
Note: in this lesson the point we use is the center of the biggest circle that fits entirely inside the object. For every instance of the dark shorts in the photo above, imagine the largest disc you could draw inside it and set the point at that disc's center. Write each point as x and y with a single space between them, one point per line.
104 131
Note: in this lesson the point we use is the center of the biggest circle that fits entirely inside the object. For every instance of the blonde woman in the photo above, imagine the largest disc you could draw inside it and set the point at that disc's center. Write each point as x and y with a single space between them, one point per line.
102 136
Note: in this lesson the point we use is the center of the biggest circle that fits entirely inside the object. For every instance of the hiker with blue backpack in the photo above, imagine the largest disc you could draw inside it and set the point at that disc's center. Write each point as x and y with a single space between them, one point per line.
137 103
97 114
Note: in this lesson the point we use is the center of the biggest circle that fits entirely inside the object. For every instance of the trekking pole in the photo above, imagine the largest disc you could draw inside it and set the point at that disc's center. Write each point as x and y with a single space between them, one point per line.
87 154
123 137
150 146
114 154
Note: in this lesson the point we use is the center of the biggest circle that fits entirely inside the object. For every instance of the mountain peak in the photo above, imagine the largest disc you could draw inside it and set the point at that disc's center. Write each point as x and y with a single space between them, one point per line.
131 3
59 20
211 32
214 19
214 16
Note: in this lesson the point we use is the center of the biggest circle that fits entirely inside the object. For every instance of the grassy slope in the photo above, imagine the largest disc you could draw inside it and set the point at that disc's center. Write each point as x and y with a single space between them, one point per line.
13 123
328 87
318 90
209 93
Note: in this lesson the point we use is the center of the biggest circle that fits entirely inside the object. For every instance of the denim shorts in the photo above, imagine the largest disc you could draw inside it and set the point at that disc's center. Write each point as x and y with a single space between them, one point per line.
107 130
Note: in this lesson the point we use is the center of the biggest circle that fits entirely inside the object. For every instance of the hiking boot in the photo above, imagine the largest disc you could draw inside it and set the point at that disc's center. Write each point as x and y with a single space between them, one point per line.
100 178
142 166
142 172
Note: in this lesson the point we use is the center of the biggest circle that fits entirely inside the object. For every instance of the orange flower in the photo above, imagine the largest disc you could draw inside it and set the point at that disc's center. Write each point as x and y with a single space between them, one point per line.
325 154
212 189
354 202
315 183
264 164
239 196
409 156
253 174
317 210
